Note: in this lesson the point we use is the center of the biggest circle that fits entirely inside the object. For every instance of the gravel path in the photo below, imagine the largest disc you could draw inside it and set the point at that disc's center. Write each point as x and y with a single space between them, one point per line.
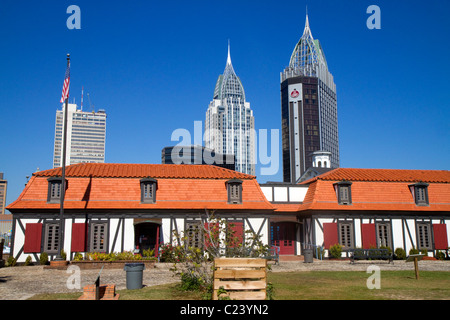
19 283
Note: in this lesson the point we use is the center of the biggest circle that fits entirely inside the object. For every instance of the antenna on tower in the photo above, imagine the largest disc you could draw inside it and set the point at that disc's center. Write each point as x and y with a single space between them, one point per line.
81 98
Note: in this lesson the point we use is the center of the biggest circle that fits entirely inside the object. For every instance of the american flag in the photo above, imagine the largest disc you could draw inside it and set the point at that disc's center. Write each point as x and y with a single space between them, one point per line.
65 90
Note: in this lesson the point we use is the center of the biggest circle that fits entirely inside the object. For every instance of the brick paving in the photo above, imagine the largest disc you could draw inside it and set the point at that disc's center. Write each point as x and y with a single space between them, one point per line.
19 283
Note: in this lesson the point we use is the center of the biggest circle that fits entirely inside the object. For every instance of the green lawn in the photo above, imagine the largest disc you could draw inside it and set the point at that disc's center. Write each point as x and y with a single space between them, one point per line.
316 285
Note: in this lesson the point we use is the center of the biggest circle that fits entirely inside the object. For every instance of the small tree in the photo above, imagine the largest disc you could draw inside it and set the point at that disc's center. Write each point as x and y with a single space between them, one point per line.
220 240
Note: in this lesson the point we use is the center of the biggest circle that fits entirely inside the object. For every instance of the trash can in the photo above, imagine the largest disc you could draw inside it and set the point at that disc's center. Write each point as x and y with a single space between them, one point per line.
308 255
134 275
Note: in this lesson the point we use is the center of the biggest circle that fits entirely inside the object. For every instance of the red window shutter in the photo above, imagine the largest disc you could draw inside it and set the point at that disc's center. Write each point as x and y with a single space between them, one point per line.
33 237
78 243
368 234
440 236
238 234
330 234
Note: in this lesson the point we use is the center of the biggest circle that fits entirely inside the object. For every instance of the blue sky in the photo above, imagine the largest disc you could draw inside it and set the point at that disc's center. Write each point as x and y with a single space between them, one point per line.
153 65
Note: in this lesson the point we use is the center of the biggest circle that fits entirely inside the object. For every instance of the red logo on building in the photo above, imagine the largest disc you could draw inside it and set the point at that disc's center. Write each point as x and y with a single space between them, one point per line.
295 93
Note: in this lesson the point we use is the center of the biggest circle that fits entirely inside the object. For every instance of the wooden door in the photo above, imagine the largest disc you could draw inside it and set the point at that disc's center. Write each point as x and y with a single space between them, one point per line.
283 236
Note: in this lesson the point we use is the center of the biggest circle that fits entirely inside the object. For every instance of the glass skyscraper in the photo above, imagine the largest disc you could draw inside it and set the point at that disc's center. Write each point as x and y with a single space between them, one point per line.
308 108
229 125
86 135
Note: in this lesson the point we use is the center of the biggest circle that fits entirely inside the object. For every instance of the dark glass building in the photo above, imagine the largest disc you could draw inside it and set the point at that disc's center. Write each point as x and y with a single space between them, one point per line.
308 108
196 155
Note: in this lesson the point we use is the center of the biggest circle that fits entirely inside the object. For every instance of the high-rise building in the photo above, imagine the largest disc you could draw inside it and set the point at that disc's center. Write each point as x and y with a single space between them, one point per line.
230 126
196 155
86 136
3 186
308 108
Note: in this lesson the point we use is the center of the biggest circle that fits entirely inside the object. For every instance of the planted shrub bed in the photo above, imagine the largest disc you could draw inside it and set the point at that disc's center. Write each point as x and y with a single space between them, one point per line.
111 260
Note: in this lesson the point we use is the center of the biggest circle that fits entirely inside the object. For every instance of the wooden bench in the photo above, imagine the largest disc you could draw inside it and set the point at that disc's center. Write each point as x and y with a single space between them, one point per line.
370 254
240 278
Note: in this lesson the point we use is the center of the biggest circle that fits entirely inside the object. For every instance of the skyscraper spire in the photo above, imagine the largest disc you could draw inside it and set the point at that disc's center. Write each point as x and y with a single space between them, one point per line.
229 55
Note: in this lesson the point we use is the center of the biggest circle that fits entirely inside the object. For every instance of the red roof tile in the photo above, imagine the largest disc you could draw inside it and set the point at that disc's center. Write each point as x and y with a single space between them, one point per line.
125 170
117 186
386 175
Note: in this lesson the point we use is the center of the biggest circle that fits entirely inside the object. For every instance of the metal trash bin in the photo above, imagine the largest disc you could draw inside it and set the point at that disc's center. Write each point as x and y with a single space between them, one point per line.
134 275
308 255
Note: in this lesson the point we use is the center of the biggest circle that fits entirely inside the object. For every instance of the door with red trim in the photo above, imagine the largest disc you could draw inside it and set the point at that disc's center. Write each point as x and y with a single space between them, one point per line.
283 236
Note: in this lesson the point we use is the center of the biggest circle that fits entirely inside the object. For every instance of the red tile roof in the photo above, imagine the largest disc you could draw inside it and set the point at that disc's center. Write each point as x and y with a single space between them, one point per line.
117 186
125 170
378 190
386 175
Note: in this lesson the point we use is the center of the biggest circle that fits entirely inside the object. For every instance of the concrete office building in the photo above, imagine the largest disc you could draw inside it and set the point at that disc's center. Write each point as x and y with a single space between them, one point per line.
86 136
308 107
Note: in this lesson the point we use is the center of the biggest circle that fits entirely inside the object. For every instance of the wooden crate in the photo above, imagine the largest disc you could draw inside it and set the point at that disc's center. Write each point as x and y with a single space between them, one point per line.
242 278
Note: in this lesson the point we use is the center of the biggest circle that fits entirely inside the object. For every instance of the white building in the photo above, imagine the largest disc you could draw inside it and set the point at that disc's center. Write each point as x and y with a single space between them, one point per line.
86 135
229 125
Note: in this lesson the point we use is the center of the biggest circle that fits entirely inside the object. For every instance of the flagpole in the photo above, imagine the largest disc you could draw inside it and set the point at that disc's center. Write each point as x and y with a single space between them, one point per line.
63 182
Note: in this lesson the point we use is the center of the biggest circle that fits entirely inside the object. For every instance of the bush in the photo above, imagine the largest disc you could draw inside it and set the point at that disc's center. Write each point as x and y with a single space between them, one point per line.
335 251
413 251
400 254
440 255
43 259
28 261
78 257
11 261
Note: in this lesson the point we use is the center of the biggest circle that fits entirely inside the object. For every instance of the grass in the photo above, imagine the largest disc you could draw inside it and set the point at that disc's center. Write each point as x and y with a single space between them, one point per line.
314 285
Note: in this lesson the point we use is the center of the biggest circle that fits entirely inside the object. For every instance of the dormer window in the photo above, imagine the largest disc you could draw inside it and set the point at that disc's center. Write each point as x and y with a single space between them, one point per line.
234 190
344 192
148 190
420 193
54 190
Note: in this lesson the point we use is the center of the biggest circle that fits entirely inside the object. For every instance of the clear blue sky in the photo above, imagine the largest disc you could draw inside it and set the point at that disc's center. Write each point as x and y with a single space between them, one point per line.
153 65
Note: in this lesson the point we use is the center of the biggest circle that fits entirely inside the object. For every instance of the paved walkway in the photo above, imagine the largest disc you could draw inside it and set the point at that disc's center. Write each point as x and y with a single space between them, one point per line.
19 283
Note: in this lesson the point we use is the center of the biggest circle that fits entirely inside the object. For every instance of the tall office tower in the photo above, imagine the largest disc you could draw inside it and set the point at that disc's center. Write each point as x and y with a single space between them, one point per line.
308 108
3 185
230 126
86 135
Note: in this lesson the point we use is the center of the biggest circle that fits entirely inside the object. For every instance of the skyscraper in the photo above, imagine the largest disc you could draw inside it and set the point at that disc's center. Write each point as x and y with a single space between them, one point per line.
229 125
86 135
3 186
308 108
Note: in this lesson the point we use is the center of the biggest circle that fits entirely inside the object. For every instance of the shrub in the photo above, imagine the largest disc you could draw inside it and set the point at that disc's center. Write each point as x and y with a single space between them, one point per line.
400 254
63 254
43 259
335 251
78 257
424 251
11 261
413 251
440 255
28 261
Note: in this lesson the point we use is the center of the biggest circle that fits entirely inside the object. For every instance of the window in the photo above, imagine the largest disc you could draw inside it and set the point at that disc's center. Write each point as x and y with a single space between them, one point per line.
420 193
194 234
54 190
148 190
344 192
51 238
423 232
345 231
234 190
384 234
98 236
